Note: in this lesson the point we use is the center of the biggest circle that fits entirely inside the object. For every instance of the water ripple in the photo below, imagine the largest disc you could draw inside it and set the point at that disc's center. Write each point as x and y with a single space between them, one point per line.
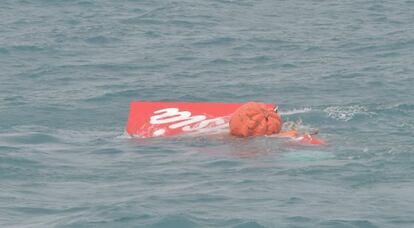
71 68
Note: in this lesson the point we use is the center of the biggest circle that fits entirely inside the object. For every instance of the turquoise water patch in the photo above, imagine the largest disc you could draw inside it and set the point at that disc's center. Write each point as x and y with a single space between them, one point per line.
69 70
304 156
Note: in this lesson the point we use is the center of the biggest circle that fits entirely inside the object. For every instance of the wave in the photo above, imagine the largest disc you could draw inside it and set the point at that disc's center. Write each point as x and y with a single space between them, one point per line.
295 111
346 113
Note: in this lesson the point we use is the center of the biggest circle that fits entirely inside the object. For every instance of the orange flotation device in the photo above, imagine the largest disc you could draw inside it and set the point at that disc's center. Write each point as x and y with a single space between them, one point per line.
255 119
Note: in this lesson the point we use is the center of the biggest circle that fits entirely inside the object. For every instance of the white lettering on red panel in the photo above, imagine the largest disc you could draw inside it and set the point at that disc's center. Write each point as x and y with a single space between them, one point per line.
185 121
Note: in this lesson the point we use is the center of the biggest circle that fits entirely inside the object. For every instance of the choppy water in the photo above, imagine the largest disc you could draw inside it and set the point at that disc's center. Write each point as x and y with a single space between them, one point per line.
70 68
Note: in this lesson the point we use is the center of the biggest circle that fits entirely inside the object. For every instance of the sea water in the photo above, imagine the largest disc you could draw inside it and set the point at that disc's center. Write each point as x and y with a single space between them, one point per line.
69 69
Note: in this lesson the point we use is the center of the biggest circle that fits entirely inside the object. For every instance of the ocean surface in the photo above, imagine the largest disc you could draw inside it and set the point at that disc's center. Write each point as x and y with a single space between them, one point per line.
69 70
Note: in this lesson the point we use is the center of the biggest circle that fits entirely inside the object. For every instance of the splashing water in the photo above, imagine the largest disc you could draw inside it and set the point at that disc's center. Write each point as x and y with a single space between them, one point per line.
346 113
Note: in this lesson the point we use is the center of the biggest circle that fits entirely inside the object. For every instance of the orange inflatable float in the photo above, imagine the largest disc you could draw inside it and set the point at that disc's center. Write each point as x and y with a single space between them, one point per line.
255 119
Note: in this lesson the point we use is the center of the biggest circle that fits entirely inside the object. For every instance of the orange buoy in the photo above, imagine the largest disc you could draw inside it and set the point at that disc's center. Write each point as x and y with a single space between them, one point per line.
255 119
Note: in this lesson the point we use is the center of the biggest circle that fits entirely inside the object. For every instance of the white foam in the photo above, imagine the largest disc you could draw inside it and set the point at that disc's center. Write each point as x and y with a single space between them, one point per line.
345 113
295 111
